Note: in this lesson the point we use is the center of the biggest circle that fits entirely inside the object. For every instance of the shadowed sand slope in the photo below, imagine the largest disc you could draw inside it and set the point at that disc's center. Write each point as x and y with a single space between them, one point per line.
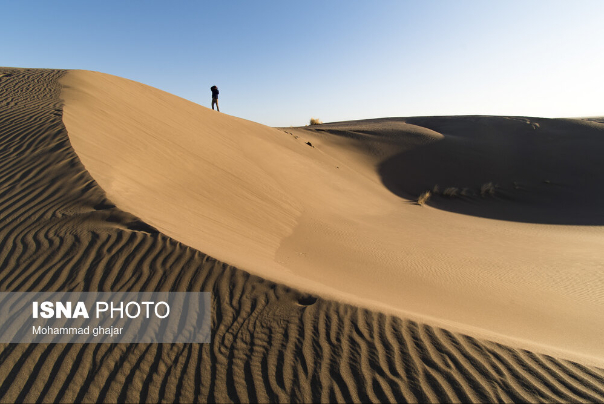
539 170
532 170
319 208
58 231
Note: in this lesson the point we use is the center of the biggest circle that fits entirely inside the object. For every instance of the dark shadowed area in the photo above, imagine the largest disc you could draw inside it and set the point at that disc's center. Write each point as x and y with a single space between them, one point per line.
532 170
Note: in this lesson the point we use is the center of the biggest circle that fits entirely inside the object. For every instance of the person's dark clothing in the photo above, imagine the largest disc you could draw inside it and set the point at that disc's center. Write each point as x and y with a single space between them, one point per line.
215 97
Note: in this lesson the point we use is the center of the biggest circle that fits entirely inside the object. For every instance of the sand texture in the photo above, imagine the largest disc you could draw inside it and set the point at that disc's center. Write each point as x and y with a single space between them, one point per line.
255 197
330 209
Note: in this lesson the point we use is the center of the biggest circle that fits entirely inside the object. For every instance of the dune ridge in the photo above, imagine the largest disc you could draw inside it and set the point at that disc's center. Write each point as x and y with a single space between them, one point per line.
270 342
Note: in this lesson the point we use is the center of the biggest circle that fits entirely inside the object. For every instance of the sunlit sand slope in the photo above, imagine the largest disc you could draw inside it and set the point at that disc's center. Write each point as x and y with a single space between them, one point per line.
331 209
58 231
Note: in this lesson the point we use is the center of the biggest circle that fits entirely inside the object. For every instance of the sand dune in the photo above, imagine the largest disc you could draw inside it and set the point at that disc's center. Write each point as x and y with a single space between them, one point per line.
60 231
338 219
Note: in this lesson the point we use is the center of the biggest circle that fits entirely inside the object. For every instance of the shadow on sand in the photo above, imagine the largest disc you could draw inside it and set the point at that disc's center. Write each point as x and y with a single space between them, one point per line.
547 171
532 170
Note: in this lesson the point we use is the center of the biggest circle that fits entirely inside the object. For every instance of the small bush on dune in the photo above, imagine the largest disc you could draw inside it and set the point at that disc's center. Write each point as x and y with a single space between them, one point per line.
436 189
487 189
315 121
423 198
451 192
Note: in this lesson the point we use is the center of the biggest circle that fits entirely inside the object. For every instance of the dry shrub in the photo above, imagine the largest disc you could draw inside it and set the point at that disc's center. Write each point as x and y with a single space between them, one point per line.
423 198
315 121
451 192
435 190
487 189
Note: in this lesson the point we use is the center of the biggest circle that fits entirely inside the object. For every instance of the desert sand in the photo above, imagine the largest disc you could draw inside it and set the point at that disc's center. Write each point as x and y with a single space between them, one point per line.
329 281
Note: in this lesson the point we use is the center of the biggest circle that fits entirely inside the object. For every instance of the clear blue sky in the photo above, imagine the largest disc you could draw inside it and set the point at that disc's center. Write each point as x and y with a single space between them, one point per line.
281 62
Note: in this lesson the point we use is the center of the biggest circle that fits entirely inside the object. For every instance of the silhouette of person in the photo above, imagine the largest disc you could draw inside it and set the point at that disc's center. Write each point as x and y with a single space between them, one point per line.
215 97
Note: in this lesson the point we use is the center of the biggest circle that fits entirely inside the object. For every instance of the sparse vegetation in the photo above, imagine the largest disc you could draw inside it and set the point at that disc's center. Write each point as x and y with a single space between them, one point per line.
435 190
466 192
487 189
315 121
451 192
423 198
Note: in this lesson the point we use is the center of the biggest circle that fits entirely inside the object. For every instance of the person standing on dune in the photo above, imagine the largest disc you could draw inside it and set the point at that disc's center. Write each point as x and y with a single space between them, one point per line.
215 97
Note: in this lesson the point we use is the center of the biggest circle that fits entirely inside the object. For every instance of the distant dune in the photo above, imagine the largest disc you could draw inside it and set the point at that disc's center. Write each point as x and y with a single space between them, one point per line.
330 283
